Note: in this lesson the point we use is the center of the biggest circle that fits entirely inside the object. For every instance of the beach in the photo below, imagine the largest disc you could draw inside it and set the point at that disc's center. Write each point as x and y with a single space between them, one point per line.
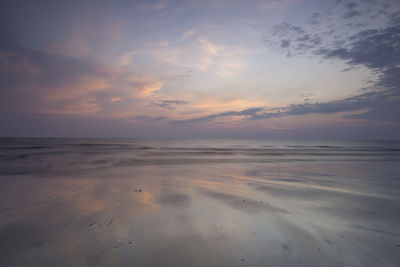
136 202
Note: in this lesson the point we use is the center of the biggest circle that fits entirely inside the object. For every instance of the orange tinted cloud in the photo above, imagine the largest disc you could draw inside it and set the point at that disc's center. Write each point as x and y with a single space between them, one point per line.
75 106
144 86
13 63
81 86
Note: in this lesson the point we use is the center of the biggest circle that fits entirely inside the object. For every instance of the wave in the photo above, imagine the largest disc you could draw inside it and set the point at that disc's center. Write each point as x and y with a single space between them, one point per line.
41 155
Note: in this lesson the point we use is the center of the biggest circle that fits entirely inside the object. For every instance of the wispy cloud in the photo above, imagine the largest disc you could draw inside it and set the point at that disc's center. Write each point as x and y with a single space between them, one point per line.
361 102
273 5
77 44
161 4
351 14
148 118
167 104
186 35
147 86
243 113
356 103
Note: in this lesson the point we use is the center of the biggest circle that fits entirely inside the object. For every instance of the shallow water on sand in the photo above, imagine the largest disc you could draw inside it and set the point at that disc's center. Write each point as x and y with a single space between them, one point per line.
112 202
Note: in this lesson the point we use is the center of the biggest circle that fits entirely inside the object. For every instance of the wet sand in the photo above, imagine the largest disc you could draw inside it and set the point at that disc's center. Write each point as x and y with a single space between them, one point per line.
204 214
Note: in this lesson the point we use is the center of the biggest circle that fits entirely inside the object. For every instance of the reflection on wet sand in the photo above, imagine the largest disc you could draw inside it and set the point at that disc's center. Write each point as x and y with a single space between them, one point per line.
217 214
237 202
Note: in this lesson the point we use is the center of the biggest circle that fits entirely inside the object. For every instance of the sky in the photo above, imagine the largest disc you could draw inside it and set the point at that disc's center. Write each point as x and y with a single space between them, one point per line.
200 69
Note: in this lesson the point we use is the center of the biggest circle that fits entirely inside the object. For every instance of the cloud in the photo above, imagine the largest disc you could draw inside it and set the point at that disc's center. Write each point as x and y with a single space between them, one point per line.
148 118
268 6
146 85
244 113
36 81
80 86
63 67
126 58
29 78
77 106
315 15
159 5
77 44
167 104
293 39
351 14
224 61
313 20
115 99
377 49
366 101
13 64
209 53
351 5
61 59
186 35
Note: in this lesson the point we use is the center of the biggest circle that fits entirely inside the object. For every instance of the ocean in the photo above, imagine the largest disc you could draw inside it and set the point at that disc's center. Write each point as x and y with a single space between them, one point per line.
181 202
